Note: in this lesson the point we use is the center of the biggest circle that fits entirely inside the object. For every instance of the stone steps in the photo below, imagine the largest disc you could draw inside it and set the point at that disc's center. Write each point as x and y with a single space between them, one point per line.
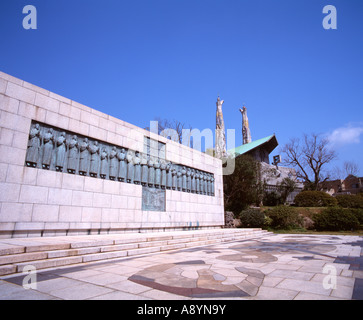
52 252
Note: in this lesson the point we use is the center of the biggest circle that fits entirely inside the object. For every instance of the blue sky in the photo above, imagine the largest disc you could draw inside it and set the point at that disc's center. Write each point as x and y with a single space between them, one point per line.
141 59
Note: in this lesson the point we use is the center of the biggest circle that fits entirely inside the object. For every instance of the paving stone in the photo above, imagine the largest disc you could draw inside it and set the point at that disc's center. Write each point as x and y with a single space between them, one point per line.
128 286
28 295
80 292
255 281
233 280
291 274
305 286
55 284
80 274
344 292
313 296
248 287
340 281
119 295
104 279
358 290
217 276
267 293
161 295
121 270
7 289
269 281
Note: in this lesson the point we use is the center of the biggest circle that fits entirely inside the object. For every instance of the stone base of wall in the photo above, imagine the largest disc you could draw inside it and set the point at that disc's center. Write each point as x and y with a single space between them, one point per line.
95 231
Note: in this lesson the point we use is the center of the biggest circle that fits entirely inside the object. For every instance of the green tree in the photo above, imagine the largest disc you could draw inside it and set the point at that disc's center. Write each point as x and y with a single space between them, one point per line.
243 187
286 186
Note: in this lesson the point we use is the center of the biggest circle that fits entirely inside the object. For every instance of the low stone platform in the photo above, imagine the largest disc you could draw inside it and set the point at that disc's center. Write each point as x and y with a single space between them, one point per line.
50 252
271 266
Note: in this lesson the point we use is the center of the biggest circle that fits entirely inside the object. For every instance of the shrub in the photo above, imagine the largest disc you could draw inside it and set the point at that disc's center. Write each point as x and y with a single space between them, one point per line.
358 214
272 198
315 199
268 221
243 187
284 217
335 219
350 201
252 218
286 187
308 223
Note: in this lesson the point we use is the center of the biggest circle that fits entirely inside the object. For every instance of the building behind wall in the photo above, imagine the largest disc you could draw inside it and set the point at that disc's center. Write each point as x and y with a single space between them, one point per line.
271 174
350 185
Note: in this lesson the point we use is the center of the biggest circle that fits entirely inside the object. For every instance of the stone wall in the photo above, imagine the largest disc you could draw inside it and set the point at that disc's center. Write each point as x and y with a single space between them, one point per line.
38 202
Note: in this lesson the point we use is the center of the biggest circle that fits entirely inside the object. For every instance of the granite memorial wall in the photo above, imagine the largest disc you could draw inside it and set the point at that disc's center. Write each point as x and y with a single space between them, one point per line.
66 168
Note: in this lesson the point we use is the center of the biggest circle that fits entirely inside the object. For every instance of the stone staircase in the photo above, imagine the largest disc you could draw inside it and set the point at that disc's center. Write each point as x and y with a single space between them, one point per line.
51 252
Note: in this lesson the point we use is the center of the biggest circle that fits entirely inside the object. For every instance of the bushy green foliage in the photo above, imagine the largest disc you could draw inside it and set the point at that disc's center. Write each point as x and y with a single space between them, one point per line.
268 221
358 214
284 217
286 186
314 199
252 218
335 219
350 201
243 187
279 196
271 198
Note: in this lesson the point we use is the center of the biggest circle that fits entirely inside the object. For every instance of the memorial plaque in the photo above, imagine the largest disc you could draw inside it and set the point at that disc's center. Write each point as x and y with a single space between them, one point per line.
56 149
153 199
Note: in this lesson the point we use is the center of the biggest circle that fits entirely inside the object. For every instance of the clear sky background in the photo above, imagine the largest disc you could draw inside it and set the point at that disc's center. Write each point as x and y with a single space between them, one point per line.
141 59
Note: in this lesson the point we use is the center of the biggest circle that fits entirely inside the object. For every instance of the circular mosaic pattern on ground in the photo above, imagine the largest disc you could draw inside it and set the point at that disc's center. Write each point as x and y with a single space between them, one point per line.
195 278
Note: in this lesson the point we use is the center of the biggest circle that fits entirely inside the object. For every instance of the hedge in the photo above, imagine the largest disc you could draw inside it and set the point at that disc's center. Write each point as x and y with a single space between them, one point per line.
315 199
284 217
336 219
252 218
358 214
350 201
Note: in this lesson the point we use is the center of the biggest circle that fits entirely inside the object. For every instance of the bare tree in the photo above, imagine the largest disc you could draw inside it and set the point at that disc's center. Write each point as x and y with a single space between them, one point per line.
309 158
174 130
337 173
351 168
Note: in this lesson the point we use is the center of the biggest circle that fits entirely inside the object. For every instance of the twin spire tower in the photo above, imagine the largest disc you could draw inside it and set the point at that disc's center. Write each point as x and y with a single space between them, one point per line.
221 149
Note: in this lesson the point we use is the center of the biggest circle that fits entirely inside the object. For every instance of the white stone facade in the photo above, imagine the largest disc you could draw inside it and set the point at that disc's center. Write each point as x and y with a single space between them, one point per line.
36 202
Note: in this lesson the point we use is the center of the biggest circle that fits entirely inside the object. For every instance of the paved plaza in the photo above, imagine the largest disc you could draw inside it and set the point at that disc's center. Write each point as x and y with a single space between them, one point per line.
274 266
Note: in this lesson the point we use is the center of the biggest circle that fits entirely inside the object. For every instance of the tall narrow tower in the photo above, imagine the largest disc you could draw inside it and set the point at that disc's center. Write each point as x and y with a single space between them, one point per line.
221 150
246 133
